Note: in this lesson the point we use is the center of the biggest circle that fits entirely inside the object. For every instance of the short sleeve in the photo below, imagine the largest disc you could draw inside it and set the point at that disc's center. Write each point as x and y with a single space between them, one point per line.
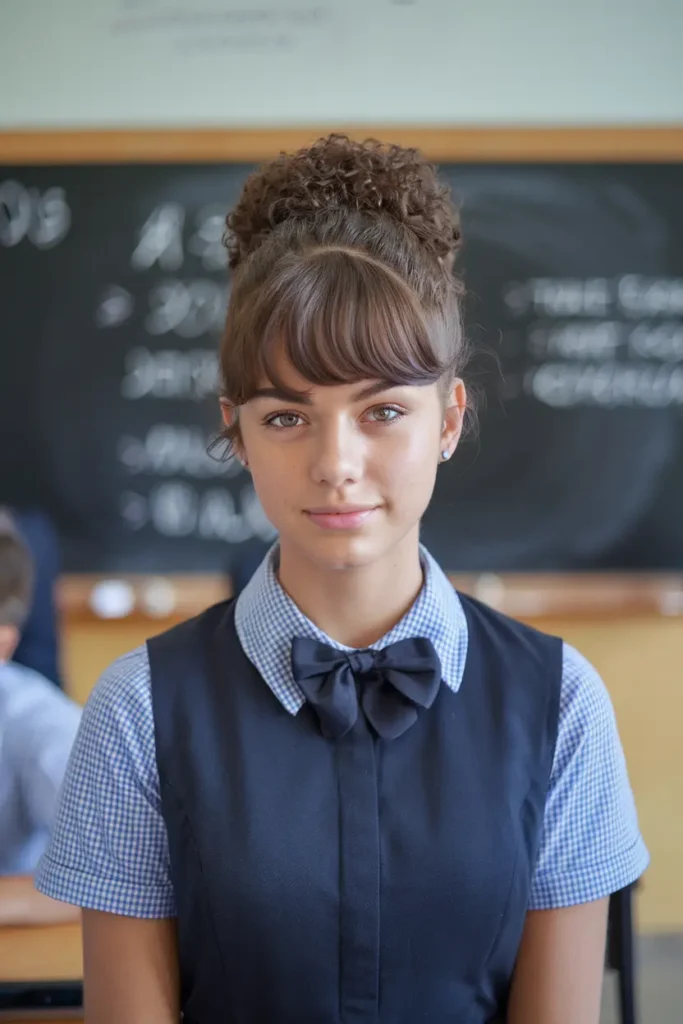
109 847
591 844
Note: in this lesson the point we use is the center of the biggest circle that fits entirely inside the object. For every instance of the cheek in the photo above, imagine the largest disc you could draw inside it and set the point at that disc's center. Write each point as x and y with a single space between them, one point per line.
280 484
408 466
273 481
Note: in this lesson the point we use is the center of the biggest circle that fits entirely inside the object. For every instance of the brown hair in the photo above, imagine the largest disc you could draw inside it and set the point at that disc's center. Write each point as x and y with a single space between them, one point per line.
16 577
343 253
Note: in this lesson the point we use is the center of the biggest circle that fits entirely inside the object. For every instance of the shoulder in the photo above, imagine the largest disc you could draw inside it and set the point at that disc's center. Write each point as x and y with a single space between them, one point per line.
174 657
497 625
587 736
24 691
591 844
18 678
585 705
109 849
186 634
119 709
527 662
38 724
124 685
117 727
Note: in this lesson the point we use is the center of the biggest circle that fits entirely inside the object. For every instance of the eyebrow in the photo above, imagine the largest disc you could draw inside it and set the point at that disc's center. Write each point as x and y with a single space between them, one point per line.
304 397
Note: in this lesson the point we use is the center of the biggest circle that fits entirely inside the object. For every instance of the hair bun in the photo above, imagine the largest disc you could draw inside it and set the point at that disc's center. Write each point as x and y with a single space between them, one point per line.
337 172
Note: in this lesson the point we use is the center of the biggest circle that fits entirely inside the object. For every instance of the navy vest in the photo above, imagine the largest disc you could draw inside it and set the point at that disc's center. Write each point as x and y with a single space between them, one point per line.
356 880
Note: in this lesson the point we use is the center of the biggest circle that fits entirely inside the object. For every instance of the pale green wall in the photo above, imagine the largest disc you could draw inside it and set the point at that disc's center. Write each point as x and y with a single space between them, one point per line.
187 62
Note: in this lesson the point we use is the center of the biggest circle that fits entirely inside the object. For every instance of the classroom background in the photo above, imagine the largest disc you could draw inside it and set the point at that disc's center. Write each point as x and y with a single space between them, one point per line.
126 130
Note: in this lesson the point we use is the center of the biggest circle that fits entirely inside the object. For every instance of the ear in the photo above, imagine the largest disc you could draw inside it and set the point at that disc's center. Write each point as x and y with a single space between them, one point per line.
9 641
453 417
229 415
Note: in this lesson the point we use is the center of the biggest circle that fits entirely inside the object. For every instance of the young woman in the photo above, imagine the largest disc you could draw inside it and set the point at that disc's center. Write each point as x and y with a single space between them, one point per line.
353 794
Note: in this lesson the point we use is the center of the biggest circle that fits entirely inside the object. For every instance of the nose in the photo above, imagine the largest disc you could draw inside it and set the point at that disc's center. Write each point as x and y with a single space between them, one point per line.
338 455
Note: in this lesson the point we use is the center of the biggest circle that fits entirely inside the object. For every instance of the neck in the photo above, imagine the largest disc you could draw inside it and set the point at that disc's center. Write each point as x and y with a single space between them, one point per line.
355 606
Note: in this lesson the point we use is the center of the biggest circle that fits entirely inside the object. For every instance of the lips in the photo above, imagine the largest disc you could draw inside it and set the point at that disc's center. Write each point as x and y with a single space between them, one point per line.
347 517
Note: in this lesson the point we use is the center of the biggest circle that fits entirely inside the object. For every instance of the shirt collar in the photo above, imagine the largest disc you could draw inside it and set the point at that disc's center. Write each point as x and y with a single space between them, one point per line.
267 619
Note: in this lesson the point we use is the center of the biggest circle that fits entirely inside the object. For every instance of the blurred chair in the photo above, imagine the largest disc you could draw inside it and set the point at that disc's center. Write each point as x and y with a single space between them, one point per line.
621 950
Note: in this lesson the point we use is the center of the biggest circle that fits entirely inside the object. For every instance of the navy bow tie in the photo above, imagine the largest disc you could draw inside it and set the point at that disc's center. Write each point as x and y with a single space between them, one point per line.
392 684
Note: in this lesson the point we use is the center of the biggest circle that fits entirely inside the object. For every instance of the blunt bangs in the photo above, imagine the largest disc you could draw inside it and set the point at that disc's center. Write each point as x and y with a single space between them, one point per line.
339 316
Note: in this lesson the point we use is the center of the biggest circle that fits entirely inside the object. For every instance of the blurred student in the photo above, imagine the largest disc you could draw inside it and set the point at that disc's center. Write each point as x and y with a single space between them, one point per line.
38 725
39 644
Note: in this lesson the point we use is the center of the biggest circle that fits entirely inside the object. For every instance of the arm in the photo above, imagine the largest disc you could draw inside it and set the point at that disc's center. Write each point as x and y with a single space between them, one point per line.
109 854
22 905
590 847
560 966
145 985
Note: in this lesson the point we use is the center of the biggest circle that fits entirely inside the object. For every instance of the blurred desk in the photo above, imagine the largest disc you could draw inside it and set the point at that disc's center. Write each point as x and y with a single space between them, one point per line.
41 954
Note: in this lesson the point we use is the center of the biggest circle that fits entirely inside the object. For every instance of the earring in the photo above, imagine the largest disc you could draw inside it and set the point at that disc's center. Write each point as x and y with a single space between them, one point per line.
445 455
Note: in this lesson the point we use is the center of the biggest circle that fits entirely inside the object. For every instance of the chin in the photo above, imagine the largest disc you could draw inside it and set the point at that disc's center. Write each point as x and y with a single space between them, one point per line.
344 552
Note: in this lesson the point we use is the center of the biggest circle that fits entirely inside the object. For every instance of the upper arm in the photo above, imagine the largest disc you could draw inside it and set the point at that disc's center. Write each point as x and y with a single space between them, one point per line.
590 847
560 965
130 969
109 847
590 844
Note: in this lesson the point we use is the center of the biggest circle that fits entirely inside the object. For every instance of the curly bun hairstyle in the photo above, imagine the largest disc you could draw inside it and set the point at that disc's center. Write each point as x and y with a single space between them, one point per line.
343 253
337 173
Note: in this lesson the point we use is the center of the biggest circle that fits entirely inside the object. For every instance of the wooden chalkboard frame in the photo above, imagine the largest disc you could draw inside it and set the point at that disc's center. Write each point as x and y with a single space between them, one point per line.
622 144
529 596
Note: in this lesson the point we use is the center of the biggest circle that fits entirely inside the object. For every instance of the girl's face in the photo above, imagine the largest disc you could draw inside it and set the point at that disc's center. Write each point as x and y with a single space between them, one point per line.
346 474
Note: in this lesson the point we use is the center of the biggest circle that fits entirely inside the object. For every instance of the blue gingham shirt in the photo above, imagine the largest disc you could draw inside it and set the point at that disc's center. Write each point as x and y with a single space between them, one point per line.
109 850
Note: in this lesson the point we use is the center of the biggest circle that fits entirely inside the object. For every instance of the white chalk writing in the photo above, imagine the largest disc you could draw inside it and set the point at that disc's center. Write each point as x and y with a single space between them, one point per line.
170 373
42 218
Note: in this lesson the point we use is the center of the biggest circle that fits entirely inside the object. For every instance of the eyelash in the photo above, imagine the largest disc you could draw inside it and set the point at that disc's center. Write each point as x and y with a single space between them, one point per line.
270 420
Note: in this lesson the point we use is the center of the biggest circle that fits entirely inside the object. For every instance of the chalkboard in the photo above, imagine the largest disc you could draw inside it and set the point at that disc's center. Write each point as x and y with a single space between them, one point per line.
112 295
